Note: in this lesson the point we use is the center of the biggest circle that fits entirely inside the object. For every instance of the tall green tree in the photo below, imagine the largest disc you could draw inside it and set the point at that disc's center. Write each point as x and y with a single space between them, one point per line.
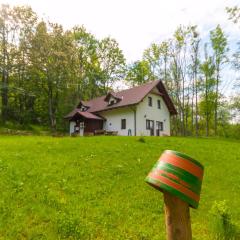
220 49
138 73
194 70
207 103
50 63
86 75
112 62
7 37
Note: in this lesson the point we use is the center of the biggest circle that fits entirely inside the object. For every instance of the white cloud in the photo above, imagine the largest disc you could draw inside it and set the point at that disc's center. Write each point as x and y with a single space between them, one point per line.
136 23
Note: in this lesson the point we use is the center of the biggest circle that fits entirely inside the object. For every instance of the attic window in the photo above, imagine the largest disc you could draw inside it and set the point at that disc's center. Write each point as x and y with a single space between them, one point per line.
111 101
83 109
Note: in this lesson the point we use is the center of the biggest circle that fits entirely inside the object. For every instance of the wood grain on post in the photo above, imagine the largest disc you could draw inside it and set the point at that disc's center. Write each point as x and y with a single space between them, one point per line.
177 218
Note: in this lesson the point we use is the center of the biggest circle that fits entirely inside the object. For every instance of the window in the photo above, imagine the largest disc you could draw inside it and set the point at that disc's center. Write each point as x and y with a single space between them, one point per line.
159 125
111 102
149 124
123 124
159 104
150 101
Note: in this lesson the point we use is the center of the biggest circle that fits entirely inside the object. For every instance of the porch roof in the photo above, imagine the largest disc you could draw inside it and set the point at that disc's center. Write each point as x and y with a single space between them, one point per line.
87 115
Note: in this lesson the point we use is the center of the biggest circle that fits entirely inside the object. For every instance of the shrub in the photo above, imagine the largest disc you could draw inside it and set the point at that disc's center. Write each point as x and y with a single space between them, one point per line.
142 139
221 224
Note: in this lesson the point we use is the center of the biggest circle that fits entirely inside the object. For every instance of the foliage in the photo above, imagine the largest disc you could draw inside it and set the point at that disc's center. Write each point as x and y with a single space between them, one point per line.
139 73
191 71
46 70
221 223
142 139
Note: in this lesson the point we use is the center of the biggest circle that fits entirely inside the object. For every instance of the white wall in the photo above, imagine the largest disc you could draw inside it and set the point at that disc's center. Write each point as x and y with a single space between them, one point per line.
113 120
152 113
113 117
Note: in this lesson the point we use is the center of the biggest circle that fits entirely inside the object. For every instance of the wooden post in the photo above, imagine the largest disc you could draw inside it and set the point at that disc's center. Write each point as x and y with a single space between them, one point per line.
179 177
177 218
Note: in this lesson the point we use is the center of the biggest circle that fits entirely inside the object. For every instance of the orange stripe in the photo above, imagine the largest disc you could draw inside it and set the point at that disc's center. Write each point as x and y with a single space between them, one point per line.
176 186
159 171
182 163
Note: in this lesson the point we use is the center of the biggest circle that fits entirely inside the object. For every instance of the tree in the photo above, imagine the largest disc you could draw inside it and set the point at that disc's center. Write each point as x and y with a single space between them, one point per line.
219 45
112 62
153 56
7 36
50 54
194 66
158 55
234 13
207 69
85 79
179 70
24 97
139 72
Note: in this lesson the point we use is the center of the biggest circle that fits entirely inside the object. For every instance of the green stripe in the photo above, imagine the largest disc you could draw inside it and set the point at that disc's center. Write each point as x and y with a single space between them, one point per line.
185 156
173 191
187 177
191 187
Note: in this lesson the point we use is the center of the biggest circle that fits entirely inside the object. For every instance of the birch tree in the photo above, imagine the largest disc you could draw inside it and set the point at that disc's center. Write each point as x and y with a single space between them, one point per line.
219 45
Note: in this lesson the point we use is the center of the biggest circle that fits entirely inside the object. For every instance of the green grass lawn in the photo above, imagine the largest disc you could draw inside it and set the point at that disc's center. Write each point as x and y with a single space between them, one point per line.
94 188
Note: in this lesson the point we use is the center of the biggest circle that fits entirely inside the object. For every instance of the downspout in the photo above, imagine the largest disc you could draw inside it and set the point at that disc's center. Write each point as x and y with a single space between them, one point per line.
135 120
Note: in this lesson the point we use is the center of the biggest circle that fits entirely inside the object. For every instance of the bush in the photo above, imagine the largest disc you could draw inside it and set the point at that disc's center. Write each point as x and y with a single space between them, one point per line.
142 139
221 224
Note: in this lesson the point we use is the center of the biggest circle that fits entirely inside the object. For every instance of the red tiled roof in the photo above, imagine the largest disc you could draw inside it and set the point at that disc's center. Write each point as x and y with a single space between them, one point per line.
130 97
87 115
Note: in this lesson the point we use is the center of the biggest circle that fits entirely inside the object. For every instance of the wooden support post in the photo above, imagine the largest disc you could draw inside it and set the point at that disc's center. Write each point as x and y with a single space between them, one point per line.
177 218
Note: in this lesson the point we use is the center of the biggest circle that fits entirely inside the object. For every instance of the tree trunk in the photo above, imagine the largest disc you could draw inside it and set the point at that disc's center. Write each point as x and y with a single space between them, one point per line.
183 108
51 112
216 104
192 105
196 103
207 107
4 91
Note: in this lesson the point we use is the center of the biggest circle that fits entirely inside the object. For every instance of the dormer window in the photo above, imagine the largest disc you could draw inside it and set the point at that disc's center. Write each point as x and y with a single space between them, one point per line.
111 102
83 109
82 106
112 99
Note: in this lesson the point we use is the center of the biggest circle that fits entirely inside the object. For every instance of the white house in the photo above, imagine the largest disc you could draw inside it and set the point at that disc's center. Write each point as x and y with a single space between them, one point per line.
142 110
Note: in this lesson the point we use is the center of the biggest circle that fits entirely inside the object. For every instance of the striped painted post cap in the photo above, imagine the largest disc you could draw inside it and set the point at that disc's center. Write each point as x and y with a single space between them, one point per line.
178 174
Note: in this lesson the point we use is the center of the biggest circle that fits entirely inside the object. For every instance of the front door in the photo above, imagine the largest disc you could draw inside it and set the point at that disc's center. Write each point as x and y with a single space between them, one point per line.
159 127
151 128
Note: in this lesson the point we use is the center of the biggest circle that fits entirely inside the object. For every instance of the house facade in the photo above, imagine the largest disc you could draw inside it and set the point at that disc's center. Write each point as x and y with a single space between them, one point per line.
142 110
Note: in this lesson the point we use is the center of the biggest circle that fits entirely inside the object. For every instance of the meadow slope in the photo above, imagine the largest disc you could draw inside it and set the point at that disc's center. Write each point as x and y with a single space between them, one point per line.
94 188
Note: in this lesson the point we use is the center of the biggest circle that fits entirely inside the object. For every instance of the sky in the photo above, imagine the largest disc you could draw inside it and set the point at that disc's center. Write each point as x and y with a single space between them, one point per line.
135 24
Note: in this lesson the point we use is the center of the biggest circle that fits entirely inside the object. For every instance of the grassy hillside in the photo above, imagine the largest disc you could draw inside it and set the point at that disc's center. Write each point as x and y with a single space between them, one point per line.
93 188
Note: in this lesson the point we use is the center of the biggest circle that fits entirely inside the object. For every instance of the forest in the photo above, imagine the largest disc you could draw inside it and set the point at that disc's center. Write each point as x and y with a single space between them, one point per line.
46 69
